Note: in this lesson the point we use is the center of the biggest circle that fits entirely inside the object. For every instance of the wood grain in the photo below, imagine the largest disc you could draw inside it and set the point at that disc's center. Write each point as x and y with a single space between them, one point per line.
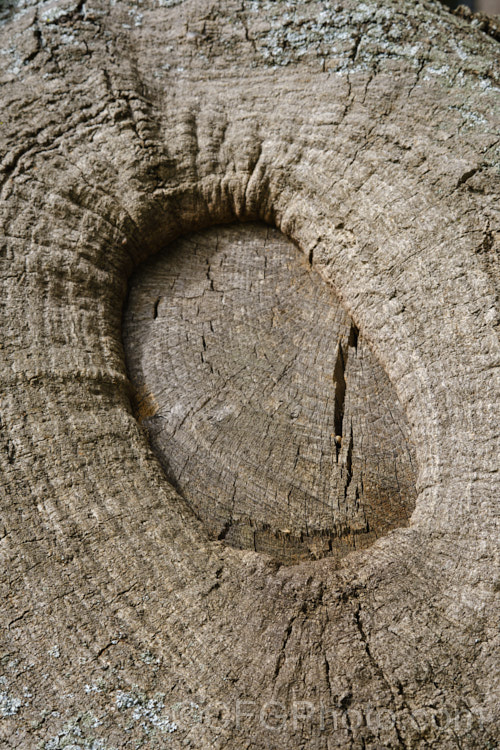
271 416
365 133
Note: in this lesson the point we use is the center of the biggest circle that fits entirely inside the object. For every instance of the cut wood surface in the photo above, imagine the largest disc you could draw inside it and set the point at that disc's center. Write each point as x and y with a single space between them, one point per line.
265 407
355 146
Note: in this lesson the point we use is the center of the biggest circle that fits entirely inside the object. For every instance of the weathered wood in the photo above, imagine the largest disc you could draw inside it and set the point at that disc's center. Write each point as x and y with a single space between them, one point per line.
367 134
267 410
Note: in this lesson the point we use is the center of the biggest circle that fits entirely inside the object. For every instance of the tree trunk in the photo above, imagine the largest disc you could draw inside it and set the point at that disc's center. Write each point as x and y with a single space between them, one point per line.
262 512
488 6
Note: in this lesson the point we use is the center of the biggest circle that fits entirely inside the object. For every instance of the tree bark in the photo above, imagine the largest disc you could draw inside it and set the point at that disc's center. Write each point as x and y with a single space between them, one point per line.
488 6
367 135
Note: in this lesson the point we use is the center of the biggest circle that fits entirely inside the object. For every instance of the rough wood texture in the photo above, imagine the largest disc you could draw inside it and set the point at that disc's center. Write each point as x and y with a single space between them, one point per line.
264 405
368 134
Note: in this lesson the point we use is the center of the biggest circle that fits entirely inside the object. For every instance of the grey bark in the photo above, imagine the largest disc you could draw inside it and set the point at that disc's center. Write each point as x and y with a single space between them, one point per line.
367 134
489 6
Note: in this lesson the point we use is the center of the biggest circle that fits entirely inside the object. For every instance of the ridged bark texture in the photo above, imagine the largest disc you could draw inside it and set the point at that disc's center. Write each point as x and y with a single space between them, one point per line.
367 135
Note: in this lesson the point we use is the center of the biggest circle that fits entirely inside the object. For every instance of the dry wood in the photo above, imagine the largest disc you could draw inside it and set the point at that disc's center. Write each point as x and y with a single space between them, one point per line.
267 410
367 135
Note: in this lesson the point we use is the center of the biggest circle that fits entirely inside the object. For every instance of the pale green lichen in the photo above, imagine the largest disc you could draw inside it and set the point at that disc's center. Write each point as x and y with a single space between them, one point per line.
355 38
146 711
72 736
9 705
148 658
